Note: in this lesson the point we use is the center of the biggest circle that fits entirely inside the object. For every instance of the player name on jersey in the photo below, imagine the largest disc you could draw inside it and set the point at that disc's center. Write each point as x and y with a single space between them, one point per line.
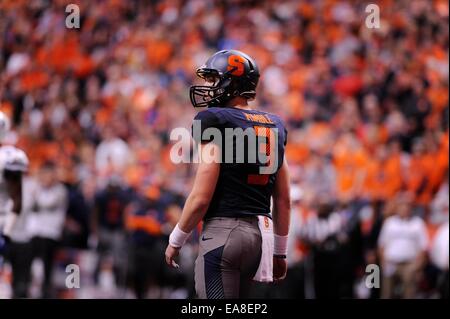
259 118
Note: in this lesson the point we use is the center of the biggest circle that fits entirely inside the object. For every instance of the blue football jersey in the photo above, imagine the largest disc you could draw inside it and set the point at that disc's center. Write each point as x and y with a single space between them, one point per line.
250 161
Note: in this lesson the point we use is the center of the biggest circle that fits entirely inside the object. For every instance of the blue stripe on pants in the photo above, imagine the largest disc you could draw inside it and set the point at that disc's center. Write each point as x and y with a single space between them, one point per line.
213 274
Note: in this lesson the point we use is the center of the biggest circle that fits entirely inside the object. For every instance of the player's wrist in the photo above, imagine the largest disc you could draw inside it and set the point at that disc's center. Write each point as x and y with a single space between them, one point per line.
280 246
178 237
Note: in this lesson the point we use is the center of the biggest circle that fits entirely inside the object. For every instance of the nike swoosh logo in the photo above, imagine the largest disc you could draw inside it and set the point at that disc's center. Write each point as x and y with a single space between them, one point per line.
203 238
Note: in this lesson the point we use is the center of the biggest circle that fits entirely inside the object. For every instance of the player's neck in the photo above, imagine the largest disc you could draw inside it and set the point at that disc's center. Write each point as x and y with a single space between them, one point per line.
239 103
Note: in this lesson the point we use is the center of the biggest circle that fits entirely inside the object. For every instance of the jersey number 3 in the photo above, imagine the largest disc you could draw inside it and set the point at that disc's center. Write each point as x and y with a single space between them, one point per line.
265 148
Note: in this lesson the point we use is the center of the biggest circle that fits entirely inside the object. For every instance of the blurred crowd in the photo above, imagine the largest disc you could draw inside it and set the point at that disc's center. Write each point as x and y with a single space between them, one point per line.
366 110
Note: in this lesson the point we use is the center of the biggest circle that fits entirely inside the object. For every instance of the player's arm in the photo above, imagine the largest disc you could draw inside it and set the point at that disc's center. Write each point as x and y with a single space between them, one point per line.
198 200
13 181
281 219
281 202
14 186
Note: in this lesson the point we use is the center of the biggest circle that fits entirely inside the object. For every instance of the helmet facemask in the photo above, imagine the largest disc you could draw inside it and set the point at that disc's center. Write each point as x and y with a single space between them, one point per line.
213 94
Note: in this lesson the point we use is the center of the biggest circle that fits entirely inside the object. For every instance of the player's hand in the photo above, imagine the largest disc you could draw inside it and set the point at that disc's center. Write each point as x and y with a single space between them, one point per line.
171 254
279 269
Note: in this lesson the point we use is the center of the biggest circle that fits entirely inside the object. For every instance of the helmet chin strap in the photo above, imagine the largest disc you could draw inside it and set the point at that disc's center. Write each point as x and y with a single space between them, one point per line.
249 95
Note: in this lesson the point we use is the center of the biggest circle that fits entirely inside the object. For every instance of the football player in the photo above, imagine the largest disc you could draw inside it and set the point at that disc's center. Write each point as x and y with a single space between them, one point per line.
13 163
231 197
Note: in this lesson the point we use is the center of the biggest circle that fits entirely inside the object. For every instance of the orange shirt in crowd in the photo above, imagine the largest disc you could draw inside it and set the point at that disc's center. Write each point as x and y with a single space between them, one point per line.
418 175
297 153
34 79
383 178
350 170
440 166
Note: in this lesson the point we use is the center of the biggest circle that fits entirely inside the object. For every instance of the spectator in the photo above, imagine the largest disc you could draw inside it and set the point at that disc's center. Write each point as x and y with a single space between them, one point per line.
112 154
47 221
146 245
321 234
79 213
439 256
402 248
21 249
108 227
